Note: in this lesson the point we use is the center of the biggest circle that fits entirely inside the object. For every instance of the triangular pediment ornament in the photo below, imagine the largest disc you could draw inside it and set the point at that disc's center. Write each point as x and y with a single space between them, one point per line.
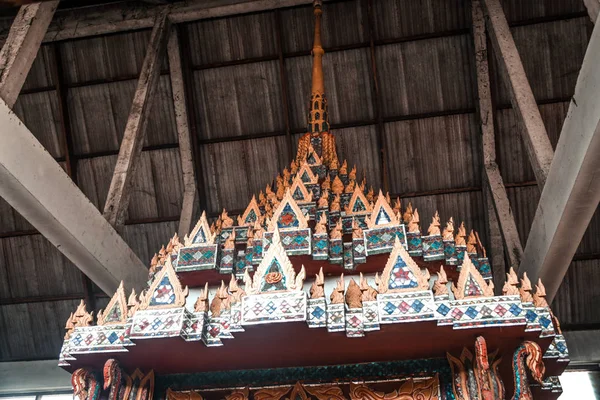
358 203
299 192
251 214
116 310
307 175
288 215
471 283
275 272
401 273
165 291
312 157
201 233
382 215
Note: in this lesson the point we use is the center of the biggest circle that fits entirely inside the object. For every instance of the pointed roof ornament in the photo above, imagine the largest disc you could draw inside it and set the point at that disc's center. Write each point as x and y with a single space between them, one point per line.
401 273
358 203
299 191
471 283
275 271
539 297
116 310
251 214
434 227
382 215
318 118
201 234
288 215
165 291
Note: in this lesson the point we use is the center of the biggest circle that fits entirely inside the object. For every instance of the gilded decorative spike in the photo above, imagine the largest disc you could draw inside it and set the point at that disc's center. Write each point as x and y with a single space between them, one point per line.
434 227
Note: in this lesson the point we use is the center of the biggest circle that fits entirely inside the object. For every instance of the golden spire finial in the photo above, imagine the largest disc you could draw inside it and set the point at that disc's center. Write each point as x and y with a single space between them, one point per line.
318 120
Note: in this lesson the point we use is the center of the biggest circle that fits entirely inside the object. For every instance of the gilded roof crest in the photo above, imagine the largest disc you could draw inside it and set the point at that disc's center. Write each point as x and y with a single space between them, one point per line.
251 214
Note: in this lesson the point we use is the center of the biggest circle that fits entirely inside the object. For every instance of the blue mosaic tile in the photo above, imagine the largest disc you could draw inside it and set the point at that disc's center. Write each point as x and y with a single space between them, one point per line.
471 312
418 305
389 308
443 309
545 322
318 312
530 316
113 337
515 309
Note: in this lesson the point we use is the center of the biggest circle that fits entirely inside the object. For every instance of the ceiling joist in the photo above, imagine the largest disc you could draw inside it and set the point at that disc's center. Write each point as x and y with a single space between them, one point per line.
500 215
572 191
21 47
533 130
119 192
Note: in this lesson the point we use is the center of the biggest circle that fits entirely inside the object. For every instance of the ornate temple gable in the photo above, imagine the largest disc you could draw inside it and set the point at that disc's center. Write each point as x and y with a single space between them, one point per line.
165 290
288 215
275 272
251 215
116 310
382 215
201 234
312 157
471 283
401 273
299 192
307 175
358 203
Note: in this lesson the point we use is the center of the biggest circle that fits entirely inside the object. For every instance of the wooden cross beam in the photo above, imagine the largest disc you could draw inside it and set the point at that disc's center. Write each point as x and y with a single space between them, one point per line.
572 191
499 211
534 133
119 193
183 132
593 8
21 47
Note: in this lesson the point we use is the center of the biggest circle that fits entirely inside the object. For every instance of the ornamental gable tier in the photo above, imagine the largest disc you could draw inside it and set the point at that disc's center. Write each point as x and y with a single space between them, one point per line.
320 269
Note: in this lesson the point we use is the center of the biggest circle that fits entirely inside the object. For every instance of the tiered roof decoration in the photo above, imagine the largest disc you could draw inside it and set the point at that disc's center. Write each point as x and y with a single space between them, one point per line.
320 217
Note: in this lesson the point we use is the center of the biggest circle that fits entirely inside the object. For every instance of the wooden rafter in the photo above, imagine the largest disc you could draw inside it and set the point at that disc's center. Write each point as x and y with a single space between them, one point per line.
183 132
119 193
572 191
533 130
593 8
495 191
21 47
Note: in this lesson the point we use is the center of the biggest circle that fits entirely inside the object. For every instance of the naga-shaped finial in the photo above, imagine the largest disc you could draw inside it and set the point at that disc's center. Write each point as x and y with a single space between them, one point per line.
525 290
201 304
398 207
472 242
337 296
459 239
344 168
336 232
321 226
350 186
236 292
510 287
326 184
440 287
434 227
227 222
337 187
539 297
448 233
353 295
335 204
413 225
408 213
352 174
230 241
368 293
324 199
317 288
371 195
357 232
